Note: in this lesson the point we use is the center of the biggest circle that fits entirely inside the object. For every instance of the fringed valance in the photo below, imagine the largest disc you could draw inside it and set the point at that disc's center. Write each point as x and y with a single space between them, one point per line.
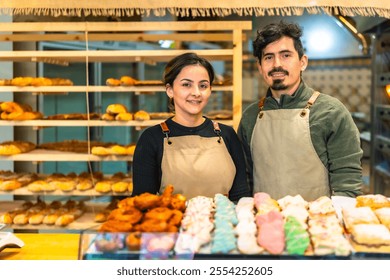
194 8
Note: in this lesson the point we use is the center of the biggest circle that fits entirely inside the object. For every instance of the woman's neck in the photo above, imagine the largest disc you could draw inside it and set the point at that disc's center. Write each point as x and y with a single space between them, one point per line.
189 122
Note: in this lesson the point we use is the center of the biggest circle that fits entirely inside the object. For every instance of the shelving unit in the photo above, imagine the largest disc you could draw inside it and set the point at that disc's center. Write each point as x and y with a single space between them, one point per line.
380 131
220 40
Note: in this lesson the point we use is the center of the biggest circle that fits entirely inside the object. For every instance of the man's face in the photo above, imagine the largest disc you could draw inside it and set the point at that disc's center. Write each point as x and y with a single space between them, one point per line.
281 67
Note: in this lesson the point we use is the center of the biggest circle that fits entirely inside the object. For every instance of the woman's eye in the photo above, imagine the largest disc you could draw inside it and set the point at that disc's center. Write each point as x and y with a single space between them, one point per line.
186 84
204 86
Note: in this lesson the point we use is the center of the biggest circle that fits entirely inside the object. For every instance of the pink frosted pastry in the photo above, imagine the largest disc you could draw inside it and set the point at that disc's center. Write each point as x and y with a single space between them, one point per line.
271 232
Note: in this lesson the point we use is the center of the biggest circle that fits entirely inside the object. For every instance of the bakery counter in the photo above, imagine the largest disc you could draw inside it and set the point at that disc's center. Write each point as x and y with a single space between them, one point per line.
44 246
73 246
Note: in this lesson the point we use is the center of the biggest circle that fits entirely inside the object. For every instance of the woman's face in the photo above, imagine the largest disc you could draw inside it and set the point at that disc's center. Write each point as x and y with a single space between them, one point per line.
191 91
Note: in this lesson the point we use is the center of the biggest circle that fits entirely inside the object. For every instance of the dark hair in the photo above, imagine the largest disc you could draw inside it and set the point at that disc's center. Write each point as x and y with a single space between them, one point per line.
175 65
273 32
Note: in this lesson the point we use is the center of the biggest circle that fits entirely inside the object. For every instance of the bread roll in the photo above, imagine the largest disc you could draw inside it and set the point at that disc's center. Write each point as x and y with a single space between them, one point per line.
113 82
127 81
116 109
141 116
16 147
124 116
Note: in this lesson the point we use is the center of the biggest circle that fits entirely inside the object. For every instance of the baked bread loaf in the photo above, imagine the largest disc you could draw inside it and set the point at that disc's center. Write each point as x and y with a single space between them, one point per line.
16 147
141 116
124 116
115 109
127 81
113 82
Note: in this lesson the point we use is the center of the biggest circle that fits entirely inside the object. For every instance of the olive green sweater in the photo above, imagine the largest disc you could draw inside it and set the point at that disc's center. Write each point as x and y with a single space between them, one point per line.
334 135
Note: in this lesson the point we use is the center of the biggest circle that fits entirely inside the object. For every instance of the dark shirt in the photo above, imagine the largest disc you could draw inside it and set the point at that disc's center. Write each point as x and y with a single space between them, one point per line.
149 152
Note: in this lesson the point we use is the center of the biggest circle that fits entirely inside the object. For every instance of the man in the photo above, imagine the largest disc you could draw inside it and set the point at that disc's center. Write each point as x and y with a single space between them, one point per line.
296 140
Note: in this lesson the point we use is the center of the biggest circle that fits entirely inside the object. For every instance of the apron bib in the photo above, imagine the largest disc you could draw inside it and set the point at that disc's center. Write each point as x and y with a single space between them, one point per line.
197 165
284 159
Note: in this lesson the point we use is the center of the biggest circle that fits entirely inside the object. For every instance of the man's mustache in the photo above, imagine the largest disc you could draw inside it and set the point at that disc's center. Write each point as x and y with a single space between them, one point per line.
278 69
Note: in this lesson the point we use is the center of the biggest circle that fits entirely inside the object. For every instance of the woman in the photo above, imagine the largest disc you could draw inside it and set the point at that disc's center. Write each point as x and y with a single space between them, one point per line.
189 151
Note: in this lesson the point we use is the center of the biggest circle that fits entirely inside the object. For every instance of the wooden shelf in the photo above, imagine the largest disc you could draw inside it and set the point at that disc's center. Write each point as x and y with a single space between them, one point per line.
39 155
64 57
85 123
66 89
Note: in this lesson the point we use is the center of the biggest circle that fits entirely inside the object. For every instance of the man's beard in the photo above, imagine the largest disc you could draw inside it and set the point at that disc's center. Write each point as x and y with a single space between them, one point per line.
278 85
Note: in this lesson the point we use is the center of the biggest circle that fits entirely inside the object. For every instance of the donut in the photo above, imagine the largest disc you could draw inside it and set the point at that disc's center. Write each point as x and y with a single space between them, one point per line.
176 218
133 240
129 214
159 213
146 201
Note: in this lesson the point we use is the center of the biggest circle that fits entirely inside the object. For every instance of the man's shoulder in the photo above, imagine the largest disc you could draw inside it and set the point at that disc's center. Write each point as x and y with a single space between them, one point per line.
251 110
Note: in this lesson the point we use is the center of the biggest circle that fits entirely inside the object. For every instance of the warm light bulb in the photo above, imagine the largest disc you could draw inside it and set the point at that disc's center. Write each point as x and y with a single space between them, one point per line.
388 90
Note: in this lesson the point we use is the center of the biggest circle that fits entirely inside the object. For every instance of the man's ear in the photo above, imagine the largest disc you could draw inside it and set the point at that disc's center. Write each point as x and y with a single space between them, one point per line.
304 62
259 68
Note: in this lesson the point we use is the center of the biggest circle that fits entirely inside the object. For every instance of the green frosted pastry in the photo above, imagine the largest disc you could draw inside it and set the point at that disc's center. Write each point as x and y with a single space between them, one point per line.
296 236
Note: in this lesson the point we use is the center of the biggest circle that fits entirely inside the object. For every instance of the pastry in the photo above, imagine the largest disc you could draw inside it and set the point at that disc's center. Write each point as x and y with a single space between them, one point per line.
113 82
127 81
21 81
119 187
103 186
371 234
41 81
297 238
115 109
125 116
383 215
64 220
141 115
321 206
108 117
10 185
16 147
359 215
271 232
373 201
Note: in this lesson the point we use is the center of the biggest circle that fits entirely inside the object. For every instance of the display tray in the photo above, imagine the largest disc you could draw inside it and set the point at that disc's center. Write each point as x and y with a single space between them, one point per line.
113 246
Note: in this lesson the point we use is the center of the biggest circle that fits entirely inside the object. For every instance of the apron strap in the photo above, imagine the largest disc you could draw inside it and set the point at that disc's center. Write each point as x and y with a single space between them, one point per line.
217 130
165 130
261 105
311 101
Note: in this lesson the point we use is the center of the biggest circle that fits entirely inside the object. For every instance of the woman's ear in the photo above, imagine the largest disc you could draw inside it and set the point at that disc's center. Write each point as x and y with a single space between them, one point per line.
169 90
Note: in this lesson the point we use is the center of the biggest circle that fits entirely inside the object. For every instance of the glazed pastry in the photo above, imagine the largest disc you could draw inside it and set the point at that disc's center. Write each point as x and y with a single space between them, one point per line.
271 232
297 238
119 187
374 201
383 215
360 215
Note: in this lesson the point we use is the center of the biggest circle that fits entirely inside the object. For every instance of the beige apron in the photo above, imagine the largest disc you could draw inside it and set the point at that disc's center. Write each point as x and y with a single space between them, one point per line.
197 165
284 159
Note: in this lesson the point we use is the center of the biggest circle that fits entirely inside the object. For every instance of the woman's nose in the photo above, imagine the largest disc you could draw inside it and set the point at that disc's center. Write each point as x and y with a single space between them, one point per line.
196 91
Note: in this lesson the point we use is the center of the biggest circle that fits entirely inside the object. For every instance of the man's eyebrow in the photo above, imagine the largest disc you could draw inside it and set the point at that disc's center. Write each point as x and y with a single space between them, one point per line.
280 52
